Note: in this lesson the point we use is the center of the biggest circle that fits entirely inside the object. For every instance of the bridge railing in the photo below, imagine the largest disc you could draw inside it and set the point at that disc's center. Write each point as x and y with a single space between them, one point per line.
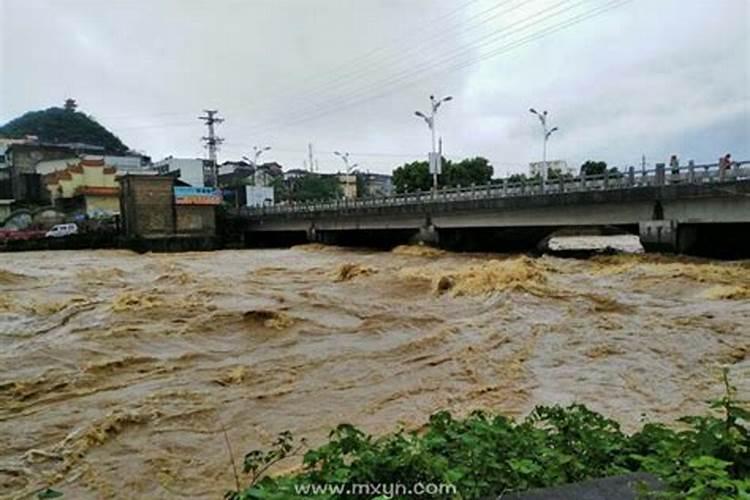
661 175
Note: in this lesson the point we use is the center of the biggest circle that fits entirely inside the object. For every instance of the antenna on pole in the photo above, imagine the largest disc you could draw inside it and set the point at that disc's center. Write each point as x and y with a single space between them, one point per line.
212 142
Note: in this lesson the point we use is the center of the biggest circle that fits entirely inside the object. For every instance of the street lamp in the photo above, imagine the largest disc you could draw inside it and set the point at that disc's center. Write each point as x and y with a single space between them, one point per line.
430 120
256 154
349 168
547 133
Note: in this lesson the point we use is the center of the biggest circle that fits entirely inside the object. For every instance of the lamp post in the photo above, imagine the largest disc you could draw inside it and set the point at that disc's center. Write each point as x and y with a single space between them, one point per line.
547 133
256 154
430 120
349 168
257 177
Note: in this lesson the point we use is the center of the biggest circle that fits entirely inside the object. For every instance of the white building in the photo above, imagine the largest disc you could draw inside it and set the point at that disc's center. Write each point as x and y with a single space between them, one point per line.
259 196
538 168
191 169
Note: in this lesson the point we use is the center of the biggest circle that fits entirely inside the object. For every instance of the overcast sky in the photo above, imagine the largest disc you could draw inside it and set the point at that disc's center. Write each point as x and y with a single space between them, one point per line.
620 79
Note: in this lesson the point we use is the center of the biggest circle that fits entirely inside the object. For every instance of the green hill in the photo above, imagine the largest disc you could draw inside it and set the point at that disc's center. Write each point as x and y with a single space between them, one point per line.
59 125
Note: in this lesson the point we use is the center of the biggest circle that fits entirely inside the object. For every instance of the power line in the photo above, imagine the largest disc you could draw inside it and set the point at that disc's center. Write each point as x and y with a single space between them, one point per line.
403 55
350 63
321 110
314 113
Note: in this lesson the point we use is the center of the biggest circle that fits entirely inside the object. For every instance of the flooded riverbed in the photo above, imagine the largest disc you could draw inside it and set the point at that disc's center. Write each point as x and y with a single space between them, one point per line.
119 371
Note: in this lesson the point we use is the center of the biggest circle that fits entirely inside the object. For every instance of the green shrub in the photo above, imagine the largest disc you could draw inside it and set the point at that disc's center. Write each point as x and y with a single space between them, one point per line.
708 458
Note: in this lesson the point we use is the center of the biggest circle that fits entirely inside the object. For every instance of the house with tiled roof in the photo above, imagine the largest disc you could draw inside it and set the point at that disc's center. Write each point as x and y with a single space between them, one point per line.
86 185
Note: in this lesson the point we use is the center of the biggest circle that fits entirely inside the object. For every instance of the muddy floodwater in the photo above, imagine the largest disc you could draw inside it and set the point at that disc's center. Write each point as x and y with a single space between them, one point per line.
118 370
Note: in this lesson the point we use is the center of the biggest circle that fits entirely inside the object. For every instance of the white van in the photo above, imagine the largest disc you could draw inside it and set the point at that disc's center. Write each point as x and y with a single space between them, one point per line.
60 230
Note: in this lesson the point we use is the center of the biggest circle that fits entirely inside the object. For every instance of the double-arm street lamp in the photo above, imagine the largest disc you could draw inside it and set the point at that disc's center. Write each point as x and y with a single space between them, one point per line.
256 154
345 158
547 133
430 120
350 168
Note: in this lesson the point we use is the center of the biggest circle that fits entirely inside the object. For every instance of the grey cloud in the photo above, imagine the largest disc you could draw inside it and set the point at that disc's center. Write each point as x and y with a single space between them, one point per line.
640 79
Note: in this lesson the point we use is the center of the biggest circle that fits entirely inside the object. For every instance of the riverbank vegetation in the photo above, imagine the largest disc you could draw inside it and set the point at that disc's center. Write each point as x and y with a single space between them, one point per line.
702 457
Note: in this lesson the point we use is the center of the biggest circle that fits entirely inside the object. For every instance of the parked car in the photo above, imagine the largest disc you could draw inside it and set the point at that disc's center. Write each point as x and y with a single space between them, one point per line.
61 230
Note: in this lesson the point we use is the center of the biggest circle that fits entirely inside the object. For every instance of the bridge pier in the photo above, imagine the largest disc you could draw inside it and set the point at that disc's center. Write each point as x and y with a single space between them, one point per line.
427 235
723 240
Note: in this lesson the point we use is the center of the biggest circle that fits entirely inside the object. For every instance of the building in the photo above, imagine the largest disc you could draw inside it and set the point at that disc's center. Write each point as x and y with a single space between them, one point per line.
21 159
259 196
188 170
558 166
156 211
295 173
85 185
122 164
377 184
267 173
348 183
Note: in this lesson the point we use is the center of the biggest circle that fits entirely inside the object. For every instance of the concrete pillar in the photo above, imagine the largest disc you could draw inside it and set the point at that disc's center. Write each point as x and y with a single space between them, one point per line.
606 178
659 176
505 187
658 235
427 235
583 179
691 172
631 176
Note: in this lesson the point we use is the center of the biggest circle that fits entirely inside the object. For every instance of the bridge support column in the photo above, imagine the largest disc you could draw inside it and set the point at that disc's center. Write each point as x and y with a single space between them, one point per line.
667 236
427 235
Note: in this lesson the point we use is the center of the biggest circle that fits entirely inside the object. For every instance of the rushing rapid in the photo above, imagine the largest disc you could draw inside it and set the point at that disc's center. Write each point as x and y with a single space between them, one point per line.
120 373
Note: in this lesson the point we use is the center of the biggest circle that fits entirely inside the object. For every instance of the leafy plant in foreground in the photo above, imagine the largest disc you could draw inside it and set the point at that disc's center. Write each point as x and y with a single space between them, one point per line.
481 455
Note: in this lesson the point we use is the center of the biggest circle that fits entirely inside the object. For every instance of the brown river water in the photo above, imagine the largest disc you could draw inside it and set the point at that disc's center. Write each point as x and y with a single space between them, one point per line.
119 371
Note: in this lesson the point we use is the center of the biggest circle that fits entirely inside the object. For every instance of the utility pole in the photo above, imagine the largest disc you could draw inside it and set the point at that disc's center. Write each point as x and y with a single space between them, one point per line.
210 177
547 132
310 156
435 159
643 164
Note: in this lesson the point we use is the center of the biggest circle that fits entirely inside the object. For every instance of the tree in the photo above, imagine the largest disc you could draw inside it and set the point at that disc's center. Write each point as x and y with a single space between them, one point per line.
555 174
594 167
59 125
468 171
314 187
416 176
411 177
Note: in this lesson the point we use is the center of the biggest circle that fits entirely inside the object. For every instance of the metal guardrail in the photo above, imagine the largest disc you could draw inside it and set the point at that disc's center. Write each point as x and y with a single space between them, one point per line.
662 175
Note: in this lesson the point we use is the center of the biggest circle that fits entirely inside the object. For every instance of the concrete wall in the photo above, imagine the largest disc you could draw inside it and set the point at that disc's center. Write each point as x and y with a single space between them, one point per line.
147 206
96 205
196 219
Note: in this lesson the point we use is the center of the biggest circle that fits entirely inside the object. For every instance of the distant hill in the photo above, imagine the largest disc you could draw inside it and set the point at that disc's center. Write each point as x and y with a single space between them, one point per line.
60 125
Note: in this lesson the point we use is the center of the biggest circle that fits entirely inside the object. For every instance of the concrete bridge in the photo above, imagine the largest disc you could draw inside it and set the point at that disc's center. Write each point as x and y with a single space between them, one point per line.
698 209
